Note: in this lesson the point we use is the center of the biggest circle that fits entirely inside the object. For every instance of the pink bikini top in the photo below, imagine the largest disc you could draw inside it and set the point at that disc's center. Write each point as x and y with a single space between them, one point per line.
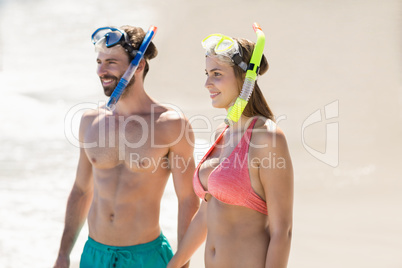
230 182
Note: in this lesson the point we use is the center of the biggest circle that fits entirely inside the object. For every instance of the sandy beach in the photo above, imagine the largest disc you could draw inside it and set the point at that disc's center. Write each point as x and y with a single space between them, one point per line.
334 84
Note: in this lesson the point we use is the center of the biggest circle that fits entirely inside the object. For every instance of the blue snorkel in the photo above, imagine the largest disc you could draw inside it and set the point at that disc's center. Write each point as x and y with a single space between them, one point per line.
114 98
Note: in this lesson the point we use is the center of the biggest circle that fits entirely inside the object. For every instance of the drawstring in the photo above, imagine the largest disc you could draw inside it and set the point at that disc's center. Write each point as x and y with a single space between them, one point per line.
118 255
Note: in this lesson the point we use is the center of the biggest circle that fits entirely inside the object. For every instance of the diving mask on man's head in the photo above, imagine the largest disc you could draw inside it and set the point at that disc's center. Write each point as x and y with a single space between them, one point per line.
222 45
111 37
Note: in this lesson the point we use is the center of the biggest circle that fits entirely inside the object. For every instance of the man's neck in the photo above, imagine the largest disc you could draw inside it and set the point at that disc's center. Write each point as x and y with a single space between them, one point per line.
135 101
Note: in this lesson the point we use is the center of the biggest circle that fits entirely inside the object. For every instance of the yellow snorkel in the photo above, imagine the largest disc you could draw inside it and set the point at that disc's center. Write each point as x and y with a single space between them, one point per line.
237 109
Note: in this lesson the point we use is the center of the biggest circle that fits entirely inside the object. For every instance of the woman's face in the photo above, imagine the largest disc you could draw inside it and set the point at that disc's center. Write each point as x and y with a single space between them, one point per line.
221 83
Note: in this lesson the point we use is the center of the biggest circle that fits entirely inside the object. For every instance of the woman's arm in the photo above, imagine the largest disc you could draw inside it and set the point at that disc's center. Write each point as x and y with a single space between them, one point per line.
182 167
194 237
277 181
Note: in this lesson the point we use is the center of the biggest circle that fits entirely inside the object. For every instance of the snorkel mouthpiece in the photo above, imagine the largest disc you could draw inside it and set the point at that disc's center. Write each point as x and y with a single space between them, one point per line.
111 105
114 98
237 109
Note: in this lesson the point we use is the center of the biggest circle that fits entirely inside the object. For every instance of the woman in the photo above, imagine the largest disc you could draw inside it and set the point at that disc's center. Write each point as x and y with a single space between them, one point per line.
245 181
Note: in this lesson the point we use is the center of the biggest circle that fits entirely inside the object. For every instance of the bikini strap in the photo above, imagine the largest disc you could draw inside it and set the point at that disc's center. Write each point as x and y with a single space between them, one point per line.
247 135
213 146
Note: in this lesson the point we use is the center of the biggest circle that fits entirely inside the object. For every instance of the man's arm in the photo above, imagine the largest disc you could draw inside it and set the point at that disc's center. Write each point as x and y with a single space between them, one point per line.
182 165
78 205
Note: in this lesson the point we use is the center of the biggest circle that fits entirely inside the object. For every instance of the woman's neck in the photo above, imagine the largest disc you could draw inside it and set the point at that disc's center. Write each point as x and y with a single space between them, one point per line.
240 125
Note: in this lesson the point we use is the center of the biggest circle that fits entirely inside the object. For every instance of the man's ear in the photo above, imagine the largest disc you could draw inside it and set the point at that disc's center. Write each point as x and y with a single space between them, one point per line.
141 66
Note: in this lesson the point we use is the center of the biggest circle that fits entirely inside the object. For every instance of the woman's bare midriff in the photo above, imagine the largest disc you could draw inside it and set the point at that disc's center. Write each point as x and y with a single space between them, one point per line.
237 236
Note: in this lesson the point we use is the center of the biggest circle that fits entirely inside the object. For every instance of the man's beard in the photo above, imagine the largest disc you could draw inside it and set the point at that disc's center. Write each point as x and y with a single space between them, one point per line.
108 90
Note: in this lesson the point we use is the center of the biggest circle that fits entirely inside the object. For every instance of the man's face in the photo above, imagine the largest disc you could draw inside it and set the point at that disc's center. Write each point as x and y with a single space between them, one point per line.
112 64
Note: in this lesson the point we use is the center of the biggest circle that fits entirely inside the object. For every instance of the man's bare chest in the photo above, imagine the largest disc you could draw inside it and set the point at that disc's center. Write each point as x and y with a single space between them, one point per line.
138 142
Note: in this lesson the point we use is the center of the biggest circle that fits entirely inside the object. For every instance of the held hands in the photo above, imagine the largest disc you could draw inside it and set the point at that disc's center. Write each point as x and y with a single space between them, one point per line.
171 265
174 263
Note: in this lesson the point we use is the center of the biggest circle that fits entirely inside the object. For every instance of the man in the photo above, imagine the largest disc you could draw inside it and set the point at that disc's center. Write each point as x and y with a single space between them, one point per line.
126 157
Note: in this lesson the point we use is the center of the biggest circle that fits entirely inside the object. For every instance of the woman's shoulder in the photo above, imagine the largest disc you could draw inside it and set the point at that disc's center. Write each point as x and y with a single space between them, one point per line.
266 127
267 135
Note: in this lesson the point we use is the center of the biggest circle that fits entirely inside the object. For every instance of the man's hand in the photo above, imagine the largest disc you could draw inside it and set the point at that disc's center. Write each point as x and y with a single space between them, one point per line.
62 262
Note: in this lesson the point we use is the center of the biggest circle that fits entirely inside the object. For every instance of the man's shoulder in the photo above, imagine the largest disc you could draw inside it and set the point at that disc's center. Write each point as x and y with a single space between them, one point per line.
97 112
173 125
92 115
89 115
171 117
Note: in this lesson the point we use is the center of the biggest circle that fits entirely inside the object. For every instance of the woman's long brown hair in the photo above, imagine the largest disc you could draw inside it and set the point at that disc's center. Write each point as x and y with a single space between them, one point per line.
257 105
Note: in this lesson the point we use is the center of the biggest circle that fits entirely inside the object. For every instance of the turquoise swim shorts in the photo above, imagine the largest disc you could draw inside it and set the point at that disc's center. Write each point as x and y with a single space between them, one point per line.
154 254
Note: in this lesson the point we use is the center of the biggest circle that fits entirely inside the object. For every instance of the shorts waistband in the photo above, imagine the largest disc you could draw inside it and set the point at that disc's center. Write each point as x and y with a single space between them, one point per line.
133 249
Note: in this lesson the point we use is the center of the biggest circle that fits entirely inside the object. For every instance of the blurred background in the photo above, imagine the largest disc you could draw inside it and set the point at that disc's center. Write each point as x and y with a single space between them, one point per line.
334 84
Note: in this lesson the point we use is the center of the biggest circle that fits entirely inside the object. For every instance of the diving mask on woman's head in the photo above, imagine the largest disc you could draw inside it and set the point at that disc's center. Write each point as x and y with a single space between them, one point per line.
113 36
223 45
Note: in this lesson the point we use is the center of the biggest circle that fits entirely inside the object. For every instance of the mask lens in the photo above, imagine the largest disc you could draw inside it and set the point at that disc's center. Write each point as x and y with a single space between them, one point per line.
99 34
112 35
219 42
112 38
211 41
224 45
